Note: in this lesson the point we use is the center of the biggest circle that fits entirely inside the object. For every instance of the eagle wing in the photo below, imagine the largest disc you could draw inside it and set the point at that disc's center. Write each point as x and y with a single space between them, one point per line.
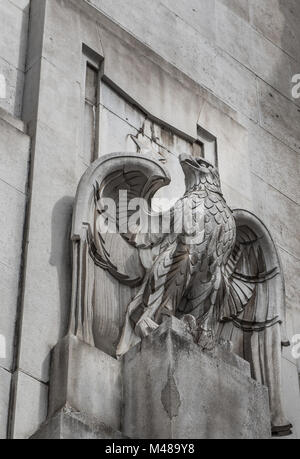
253 312
98 201
254 298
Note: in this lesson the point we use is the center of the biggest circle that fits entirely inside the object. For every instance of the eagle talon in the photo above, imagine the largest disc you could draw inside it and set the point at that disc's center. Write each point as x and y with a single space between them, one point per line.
207 340
145 327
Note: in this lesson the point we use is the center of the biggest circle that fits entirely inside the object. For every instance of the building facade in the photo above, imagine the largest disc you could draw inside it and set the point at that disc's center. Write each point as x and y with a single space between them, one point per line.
80 79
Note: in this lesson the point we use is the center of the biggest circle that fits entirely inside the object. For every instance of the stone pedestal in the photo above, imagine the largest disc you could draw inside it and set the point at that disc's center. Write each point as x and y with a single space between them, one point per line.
174 390
166 387
85 398
69 425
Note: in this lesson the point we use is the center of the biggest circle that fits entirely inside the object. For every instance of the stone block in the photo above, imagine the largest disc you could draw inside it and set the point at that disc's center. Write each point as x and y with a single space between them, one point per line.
274 162
200 14
174 390
5 379
12 210
30 405
279 22
59 102
69 425
48 284
35 33
14 155
291 270
109 125
252 49
62 44
9 283
116 104
271 63
239 7
233 34
131 69
14 80
21 4
291 395
13 33
236 199
233 158
236 85
87 380
279 116
280 215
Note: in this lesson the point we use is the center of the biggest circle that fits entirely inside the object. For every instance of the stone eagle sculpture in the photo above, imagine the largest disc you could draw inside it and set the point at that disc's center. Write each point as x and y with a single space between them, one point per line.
216 269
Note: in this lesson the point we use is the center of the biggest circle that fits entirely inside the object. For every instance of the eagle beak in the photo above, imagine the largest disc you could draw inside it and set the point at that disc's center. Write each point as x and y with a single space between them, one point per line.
186 159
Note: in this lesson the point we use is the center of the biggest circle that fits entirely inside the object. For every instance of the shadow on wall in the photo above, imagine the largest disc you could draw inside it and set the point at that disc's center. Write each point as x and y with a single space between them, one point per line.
61 256
22 61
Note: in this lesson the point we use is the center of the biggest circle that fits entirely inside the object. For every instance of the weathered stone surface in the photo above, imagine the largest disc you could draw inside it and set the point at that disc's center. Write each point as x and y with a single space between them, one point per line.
252 49
47 296
9 283
239 7
5 379
70 425
271 64
13 42
233 162
233 34
30 406
274 162
291 395
117 105
200 14
166 94
291 269
110 143
279 21
62 43
91 314
280 214
13 32
11 221
14 155
279 116
175 390
189 50
14 81
240 84
87 380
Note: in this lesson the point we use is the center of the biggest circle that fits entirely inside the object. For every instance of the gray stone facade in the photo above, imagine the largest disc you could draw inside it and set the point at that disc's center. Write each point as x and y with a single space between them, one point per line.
83 78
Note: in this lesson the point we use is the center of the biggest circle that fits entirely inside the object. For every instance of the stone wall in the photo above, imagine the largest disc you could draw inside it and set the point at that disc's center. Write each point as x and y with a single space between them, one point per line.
14 155
14 158
14 16
224 66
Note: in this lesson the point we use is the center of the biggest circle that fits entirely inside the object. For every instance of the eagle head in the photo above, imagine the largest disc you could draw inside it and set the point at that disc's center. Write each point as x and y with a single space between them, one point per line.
200 173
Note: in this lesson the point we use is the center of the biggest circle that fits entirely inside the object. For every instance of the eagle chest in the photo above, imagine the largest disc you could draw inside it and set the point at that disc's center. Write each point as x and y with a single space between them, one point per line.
220 227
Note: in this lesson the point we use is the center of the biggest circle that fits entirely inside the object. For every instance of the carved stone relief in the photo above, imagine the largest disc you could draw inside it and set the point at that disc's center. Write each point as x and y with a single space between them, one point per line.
217 270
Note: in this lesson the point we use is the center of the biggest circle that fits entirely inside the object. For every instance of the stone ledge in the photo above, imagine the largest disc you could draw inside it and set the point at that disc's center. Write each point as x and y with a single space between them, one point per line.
14 122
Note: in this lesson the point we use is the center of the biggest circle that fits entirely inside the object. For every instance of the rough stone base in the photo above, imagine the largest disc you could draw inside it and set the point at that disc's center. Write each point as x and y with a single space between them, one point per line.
175 390
68 425
166 387
87 380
